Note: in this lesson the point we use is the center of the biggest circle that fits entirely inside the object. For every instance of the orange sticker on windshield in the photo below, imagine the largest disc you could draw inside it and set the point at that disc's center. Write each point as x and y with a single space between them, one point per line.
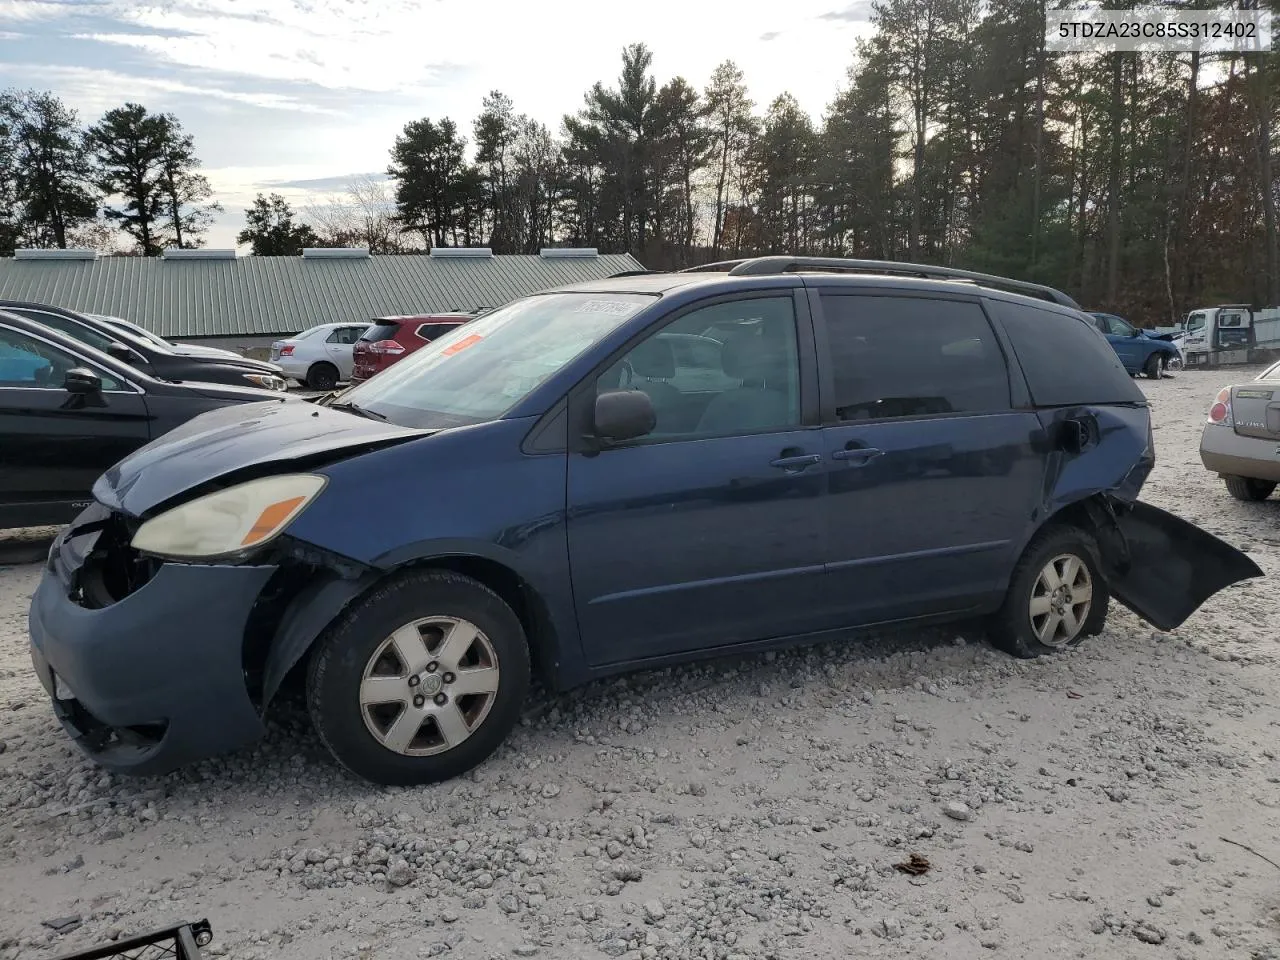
462 345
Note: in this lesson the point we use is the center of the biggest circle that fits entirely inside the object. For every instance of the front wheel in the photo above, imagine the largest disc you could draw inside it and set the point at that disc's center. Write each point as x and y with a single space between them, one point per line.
1154 367
420 681
1247 489
1056 596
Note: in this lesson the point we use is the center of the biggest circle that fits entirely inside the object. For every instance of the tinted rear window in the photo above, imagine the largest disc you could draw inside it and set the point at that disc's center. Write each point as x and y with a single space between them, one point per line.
380 330
1066 359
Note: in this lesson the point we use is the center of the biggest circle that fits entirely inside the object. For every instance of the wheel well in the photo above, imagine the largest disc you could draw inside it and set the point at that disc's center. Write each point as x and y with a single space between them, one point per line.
322 363
516 593
1094 516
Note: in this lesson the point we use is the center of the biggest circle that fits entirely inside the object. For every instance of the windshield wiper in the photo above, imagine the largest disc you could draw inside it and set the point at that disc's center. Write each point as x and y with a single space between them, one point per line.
358 411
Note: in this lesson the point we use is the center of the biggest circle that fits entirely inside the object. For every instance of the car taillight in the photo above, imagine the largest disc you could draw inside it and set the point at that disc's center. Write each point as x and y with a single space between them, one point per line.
286 350
1220 412
389 347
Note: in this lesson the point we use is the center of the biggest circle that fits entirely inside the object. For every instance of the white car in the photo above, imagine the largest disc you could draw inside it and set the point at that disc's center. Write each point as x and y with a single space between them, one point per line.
319 358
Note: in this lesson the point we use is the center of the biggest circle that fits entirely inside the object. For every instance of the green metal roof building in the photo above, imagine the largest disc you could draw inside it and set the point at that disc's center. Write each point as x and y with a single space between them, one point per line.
199 294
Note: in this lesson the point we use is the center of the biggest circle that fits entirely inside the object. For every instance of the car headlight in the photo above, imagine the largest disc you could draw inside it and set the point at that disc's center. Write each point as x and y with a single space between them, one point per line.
229 521
265 380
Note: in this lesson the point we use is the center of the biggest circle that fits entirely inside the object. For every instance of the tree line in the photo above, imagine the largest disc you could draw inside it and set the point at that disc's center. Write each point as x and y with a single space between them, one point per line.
1140 183
1143 183
66 184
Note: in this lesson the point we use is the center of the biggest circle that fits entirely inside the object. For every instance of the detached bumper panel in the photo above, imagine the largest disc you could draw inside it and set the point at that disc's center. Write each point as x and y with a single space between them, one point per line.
1174 566
155 680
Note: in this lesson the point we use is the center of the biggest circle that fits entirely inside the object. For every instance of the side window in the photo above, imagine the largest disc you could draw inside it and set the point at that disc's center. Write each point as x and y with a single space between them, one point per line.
335 336
72 329
912 357
434 331
350 334
744 379
28 362
1066 361
1118 327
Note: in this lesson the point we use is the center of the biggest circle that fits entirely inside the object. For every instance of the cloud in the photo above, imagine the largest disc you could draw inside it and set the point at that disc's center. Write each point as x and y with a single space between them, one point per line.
11 35
325 183
771 35
100 89
857 12
31 11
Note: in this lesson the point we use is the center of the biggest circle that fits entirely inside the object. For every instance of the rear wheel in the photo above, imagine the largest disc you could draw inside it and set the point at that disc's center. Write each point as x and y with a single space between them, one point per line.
1056 596
421 681
322 376
1246 488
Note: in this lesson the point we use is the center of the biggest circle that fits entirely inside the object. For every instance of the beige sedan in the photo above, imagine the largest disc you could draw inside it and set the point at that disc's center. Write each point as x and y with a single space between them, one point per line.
1241 438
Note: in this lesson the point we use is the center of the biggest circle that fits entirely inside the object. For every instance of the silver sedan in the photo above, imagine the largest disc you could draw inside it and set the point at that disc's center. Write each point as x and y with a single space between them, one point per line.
1241 437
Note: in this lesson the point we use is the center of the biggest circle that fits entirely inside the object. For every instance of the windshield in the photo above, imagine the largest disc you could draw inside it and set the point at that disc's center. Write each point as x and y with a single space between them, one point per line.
484 368
1271 373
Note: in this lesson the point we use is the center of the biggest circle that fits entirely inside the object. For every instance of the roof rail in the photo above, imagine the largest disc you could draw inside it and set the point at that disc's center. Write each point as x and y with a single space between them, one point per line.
632 273
763 266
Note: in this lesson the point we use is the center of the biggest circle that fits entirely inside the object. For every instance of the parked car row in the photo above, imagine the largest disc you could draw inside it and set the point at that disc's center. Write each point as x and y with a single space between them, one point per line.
323 356
73 402
640 471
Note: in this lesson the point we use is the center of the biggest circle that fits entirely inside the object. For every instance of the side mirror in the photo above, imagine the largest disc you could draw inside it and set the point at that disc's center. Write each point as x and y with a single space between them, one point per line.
82 381
624 415
121 352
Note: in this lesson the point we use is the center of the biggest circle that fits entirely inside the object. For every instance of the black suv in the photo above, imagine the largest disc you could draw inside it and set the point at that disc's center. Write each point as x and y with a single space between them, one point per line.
148 356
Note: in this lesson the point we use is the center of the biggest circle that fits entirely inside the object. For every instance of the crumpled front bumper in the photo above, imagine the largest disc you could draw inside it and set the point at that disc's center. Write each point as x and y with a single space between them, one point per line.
155 680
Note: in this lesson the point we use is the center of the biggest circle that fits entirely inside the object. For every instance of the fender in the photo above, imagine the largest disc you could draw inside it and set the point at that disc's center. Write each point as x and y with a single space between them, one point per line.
555 635
314 608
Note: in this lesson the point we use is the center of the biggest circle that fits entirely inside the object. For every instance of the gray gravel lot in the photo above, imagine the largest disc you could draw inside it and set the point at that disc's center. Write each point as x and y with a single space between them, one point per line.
752 808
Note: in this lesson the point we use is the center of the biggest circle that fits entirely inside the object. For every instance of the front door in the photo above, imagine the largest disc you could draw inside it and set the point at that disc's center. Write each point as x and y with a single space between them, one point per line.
708 531
935 477
55 444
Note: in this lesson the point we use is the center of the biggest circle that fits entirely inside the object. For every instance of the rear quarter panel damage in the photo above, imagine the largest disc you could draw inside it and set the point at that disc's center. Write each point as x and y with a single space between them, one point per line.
1158 565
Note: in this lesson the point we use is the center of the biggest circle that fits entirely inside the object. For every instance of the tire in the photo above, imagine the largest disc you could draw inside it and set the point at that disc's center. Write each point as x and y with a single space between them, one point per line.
359 662
1154 366
1248 489
322 376
1015 629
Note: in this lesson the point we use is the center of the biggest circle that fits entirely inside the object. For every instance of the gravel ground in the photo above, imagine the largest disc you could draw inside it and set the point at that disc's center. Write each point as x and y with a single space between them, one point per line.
754 808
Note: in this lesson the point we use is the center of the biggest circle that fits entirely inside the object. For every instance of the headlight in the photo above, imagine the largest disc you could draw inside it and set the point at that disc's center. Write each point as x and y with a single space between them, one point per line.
230 521
265 380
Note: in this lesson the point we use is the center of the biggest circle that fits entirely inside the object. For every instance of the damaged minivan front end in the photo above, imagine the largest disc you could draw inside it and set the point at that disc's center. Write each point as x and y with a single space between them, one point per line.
155 559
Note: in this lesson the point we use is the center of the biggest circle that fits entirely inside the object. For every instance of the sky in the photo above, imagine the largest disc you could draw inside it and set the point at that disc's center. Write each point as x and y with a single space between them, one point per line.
298 96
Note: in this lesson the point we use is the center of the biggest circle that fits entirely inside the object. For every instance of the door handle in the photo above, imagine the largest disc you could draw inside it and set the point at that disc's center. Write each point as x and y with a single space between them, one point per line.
857 456
796 463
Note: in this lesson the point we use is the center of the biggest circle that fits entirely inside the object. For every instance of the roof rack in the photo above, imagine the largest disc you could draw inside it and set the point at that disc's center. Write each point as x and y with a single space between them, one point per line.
633 273
764 266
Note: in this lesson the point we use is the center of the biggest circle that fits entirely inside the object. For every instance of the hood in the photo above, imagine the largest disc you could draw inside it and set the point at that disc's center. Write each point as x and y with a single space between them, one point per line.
236 438
1152 335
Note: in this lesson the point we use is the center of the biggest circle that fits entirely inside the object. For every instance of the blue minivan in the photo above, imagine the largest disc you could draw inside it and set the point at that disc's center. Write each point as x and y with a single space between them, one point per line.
608 476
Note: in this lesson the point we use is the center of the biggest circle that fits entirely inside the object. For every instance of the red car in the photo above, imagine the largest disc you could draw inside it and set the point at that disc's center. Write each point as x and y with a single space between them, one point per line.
389 339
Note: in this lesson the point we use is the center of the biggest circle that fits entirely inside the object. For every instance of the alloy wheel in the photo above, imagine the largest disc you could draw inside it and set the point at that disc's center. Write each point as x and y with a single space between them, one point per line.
429 686
1061 599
